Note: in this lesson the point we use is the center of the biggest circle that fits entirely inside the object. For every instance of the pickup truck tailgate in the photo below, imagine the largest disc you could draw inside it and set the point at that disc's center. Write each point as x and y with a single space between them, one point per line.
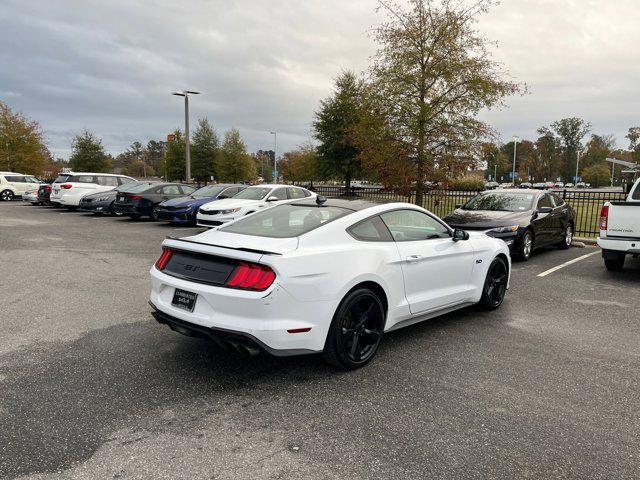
624 219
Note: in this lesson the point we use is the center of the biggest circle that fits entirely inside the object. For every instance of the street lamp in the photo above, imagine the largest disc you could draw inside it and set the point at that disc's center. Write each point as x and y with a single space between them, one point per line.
275 158
185 94
580 151
516 139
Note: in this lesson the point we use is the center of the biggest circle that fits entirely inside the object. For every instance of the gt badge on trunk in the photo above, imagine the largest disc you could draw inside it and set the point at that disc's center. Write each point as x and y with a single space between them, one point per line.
184 300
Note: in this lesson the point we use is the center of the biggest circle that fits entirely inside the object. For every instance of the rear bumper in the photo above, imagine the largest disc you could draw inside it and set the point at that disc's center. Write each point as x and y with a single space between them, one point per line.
96 207
631 246
130 210
262 317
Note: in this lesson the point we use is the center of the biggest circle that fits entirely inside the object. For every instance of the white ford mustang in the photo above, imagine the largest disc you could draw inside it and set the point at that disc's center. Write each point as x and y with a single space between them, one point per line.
325 276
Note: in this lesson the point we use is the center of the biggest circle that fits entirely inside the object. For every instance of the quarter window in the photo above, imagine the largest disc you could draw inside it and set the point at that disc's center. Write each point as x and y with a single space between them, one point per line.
187 189
296 193
411 225
84 179
371 230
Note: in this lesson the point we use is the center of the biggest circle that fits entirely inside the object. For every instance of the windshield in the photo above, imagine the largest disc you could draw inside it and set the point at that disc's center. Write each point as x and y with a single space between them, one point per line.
286 221
501 201
253 193
208 191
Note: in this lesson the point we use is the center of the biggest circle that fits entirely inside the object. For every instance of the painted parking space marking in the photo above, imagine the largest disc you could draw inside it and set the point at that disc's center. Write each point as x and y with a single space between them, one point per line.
566 264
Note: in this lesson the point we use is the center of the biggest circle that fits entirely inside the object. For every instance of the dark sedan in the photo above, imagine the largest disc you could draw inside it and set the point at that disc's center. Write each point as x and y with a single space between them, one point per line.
185 209
524 219
144 200
104 202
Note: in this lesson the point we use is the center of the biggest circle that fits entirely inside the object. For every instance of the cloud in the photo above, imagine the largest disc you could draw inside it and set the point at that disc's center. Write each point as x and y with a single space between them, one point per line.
264 65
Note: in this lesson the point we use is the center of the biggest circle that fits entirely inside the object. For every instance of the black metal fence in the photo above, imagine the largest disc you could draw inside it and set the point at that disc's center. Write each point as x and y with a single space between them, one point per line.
586 203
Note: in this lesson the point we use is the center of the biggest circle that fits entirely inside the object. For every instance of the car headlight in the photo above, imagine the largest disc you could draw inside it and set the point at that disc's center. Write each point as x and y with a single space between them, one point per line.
509 229
226 212
102 199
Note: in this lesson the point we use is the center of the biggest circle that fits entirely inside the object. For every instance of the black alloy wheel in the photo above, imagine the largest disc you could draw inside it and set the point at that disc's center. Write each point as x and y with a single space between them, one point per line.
356 330
568 237
495 285
154 213
525 246
6 195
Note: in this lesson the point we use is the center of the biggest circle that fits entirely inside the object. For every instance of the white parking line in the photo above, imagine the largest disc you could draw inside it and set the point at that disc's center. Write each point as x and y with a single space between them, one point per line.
566 264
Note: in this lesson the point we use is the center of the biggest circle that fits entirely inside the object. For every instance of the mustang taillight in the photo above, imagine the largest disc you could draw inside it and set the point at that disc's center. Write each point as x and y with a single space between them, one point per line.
47 188
604 217
135 197
164 258
251 276
66 186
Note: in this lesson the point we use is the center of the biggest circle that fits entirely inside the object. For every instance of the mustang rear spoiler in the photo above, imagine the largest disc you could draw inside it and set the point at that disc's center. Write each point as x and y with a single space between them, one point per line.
250 250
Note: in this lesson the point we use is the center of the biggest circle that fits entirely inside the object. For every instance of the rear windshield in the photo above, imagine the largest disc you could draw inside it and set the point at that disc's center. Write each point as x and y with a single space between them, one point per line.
139 187
501 202
636 192
285 221
128 186
208 191
257 193
61 178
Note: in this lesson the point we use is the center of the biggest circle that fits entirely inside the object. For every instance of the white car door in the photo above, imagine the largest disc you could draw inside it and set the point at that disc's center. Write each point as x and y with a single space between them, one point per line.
436 269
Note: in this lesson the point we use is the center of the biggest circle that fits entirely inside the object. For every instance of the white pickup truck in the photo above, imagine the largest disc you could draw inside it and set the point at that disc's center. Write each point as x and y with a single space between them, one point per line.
620 230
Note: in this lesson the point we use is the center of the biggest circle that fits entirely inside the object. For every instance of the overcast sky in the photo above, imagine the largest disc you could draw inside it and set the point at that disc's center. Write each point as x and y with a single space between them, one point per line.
263 65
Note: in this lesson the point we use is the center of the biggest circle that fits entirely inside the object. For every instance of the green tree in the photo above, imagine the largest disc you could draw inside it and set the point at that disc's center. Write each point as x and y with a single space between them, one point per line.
634 142
155 154
263 160
495 159
203 152
549 151
234 164
21 143
431 75
87 154
597 175
599 147
175 158
299 165
338 154
571 132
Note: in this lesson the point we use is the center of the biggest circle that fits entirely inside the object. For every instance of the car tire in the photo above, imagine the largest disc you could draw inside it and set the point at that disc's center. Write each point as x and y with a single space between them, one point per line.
525 246
6 195
134 216
154 213
113 212
615 264
568 238
356 330
495 284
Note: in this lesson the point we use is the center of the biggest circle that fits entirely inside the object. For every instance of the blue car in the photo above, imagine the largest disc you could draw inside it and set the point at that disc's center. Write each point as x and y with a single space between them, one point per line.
184 209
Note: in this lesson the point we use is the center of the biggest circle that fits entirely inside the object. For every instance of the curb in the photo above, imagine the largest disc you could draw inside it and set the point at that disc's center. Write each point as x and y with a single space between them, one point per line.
586 241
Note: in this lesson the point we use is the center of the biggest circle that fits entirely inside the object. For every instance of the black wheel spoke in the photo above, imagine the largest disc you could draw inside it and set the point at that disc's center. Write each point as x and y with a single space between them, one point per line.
370 336
355 352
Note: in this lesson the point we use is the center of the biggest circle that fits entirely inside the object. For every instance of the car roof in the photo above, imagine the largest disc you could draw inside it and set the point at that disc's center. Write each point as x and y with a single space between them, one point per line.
95 173
355 205
273 185
516 190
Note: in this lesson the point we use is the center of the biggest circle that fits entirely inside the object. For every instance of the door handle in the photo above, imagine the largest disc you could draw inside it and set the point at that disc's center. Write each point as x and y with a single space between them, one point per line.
413 258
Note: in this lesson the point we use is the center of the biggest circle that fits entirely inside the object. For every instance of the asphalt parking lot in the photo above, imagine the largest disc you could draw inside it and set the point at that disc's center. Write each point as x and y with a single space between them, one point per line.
92 387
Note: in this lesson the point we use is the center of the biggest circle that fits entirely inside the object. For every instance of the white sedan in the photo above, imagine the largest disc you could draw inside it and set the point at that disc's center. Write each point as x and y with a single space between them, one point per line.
326 276
248 201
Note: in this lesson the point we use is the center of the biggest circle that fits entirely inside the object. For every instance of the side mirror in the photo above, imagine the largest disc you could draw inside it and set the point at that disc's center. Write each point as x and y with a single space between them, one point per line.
272 198
545 210
460 235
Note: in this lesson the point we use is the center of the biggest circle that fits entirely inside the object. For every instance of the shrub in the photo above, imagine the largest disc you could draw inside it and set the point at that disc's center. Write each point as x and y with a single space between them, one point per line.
468 182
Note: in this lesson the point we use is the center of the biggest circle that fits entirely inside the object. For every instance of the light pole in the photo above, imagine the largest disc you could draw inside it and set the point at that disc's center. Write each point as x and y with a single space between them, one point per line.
275 157
515 143
185 94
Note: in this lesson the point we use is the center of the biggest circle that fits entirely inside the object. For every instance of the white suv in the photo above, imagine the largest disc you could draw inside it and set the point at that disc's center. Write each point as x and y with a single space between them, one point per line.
69 188
248 201
16 185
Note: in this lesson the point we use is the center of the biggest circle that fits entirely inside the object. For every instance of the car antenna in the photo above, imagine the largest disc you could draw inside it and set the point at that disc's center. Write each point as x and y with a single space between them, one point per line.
320 199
